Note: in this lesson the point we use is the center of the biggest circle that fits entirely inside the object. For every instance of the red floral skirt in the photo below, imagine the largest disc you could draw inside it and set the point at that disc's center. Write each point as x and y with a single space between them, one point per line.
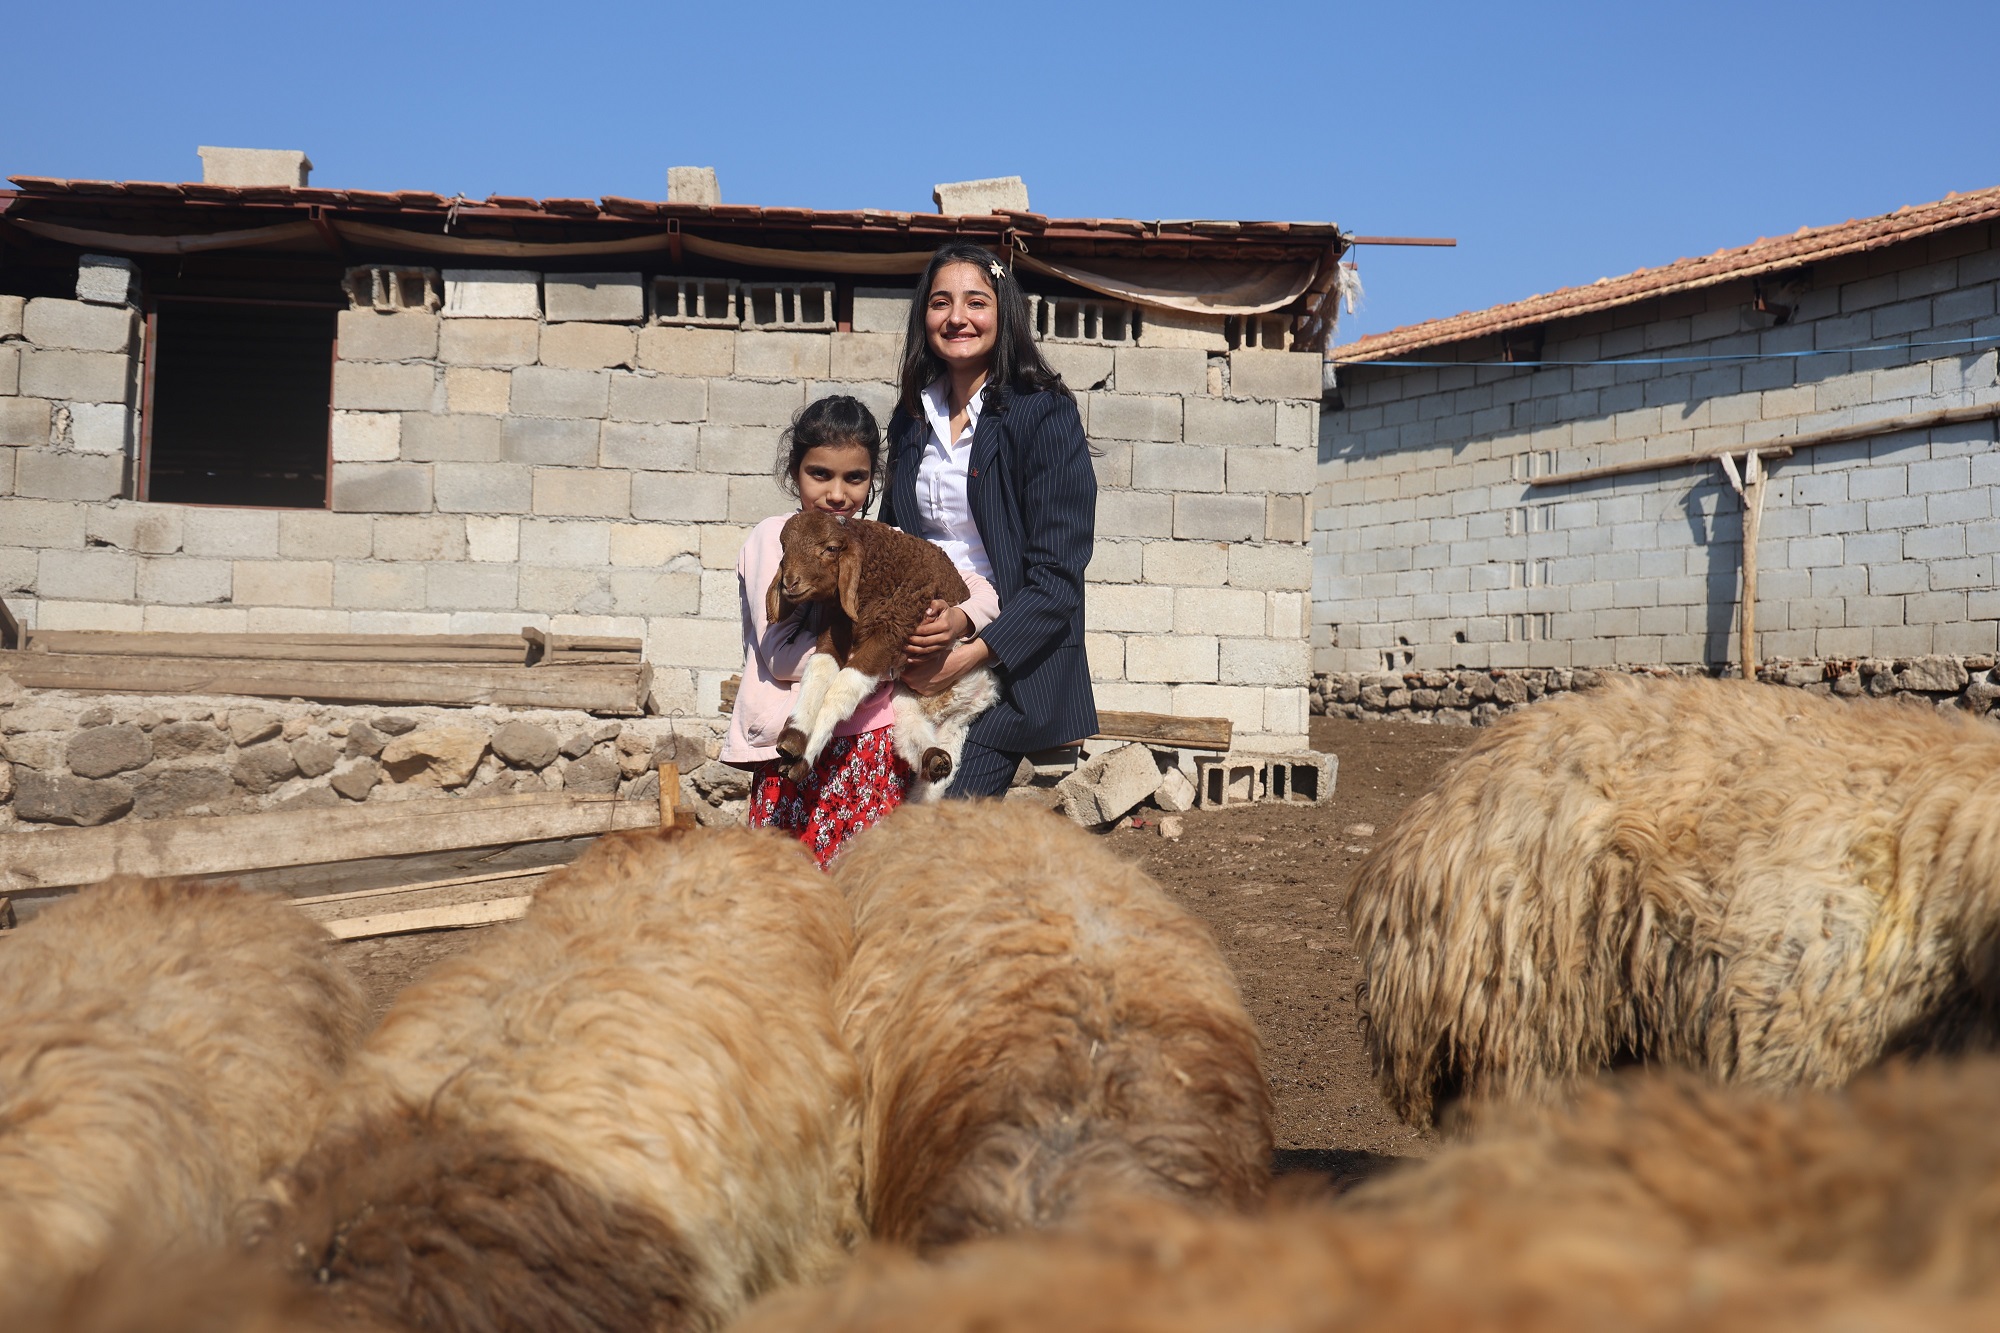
857 780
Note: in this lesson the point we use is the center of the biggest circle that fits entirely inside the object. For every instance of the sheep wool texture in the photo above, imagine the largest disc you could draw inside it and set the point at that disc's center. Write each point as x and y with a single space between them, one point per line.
1038 1027
167 1046
1773 888
1155 1268
629 1110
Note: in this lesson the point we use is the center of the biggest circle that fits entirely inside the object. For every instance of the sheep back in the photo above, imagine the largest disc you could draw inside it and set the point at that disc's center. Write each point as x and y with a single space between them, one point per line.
1771 887
649 1067
1038 1026
168 1045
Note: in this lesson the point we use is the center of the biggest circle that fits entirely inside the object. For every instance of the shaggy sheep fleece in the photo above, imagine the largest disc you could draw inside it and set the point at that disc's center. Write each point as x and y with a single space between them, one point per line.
167 1045
1770 887
1038 1025
630 1110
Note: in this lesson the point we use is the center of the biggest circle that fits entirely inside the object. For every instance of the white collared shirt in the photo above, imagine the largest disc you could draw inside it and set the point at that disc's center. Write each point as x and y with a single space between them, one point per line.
941 499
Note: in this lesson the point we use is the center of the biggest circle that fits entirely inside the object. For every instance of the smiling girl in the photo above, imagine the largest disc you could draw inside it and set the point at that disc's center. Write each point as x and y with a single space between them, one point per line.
832 452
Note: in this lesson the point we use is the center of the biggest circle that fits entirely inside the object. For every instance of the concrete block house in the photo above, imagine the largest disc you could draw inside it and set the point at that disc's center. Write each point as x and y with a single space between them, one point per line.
1511 496
269 408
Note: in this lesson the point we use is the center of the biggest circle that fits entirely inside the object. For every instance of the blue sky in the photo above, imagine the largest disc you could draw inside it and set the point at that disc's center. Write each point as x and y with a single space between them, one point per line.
1559 143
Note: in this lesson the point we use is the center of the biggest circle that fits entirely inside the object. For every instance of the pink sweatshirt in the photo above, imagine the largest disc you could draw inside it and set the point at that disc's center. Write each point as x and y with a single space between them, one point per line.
774 656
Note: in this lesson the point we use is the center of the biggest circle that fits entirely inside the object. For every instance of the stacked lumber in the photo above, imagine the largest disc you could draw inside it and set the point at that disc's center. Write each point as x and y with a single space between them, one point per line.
532 669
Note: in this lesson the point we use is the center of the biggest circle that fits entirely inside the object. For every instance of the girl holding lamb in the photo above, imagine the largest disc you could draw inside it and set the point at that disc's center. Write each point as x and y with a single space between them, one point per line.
988 459
833 450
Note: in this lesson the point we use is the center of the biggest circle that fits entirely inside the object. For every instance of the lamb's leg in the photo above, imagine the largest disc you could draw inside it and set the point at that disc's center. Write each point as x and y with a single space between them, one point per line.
946 721
916 738
821 669
866 669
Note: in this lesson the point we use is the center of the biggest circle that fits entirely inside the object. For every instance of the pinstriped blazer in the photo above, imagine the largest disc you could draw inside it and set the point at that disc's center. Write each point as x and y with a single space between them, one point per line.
1034 497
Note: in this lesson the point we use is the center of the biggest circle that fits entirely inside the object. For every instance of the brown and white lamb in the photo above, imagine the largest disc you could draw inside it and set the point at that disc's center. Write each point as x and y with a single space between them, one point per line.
875 582
167 1045
1773 888
630 1110
1038 1027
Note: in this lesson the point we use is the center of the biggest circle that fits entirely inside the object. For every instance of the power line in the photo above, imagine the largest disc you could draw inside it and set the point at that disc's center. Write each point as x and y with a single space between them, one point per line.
1683 360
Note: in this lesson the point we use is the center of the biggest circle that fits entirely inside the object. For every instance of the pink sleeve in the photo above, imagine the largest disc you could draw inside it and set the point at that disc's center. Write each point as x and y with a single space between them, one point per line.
981 603
781 649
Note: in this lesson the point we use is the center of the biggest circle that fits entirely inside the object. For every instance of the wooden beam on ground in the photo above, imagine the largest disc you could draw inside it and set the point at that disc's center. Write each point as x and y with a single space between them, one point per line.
227 844
504 650
458 916
422 886
618 691
1187 733
546 649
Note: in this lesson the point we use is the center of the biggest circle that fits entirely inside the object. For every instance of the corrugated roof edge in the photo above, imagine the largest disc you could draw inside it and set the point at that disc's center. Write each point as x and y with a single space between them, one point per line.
1766 255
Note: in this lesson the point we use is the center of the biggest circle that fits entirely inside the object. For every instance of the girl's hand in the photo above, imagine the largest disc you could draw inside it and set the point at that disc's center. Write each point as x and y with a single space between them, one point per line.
943 625
941 673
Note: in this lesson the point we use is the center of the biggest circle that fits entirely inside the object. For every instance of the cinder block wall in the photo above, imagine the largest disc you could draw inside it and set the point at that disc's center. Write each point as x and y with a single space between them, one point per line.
1432 551
537 454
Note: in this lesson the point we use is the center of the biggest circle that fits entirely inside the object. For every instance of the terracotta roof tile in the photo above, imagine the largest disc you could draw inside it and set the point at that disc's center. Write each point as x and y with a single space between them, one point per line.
1768 255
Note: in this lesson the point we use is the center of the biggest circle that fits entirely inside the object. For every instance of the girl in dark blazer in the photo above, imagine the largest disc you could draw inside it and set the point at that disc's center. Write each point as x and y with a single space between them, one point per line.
987 457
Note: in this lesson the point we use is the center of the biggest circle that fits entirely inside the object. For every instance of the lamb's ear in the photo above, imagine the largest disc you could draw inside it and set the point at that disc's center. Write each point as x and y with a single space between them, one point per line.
776 608
850 579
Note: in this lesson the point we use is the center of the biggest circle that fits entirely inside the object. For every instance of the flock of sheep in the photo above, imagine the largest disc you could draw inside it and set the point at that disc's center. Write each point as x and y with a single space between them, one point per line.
986 1075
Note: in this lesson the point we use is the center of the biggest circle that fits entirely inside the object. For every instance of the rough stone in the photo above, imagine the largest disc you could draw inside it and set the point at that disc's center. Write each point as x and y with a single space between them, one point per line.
395 724
580 743
1175 792
357 781
173 790
59 798
314 757
1933 674
247 726
312 798
32 717
592 774
6 781
635 753
1109 787
98 752
525 745
717 781
261 767
435 756
363 739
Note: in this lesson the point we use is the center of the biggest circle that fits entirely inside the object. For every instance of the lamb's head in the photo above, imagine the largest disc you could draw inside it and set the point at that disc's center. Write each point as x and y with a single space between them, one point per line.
820 562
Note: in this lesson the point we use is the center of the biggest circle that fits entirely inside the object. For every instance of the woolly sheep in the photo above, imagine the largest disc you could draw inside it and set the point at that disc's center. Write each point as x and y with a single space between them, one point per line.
631 1110
1038 1025
167 1045
203 1292
877 582
1773 888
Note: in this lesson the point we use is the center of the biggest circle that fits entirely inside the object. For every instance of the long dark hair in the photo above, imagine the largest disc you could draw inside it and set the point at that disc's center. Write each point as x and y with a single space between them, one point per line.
834 419
1017 362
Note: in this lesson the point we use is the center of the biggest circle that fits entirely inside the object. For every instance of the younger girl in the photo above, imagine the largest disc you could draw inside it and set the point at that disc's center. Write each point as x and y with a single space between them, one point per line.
832 451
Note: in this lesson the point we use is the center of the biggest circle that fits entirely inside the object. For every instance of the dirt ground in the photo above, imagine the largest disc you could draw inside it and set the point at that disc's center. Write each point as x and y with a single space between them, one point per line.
1269 880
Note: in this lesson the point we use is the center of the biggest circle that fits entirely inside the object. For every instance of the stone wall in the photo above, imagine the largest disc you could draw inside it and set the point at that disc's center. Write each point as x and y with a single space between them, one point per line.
537 453
1432 551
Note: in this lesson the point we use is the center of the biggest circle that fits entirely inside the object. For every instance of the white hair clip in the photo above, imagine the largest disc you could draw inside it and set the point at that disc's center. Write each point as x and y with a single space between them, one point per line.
997 271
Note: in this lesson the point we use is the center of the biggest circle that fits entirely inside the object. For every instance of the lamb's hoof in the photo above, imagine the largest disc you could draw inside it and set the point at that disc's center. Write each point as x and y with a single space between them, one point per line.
791 743
794 767
937 765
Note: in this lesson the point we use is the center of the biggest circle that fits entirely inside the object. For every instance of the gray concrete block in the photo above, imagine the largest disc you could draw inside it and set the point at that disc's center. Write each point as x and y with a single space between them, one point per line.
1230 779
475 293
1298 425
739 403
1300 779
1187 564
1266 662
648 446
483 488
589 346
145 528
551 441
184 581
1176 467
87 576
472 587
44 474
10 371
321 534
24 422
647 592
1238 612
107 279
1221 421
379 586
1134 514
583 492
680 497
287 167
476 390
78 325
866 356
489 342
1135 607
1174 658
677 351
401 335
658 398
1256 374
1271 470
1112 463
567 543
882 309
1231 518
367 437
366 386
12 311
565 591
1110 786
77 377
784 356
605 298
1161 370
382 488
420 537
994 194
1083 366
753 499
305 583
738 449
1120 416
436 437
1115 562
235 533
1180 328
1273 566
548 391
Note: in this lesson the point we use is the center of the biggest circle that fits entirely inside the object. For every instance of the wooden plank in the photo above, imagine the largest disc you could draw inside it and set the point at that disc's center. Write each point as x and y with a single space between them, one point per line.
272 648
545 648
458 916
1773 450
614 690
1187 733
353 894
223 844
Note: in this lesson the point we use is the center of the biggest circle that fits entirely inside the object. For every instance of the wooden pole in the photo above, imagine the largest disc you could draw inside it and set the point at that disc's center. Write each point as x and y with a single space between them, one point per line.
1753 520
670 792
